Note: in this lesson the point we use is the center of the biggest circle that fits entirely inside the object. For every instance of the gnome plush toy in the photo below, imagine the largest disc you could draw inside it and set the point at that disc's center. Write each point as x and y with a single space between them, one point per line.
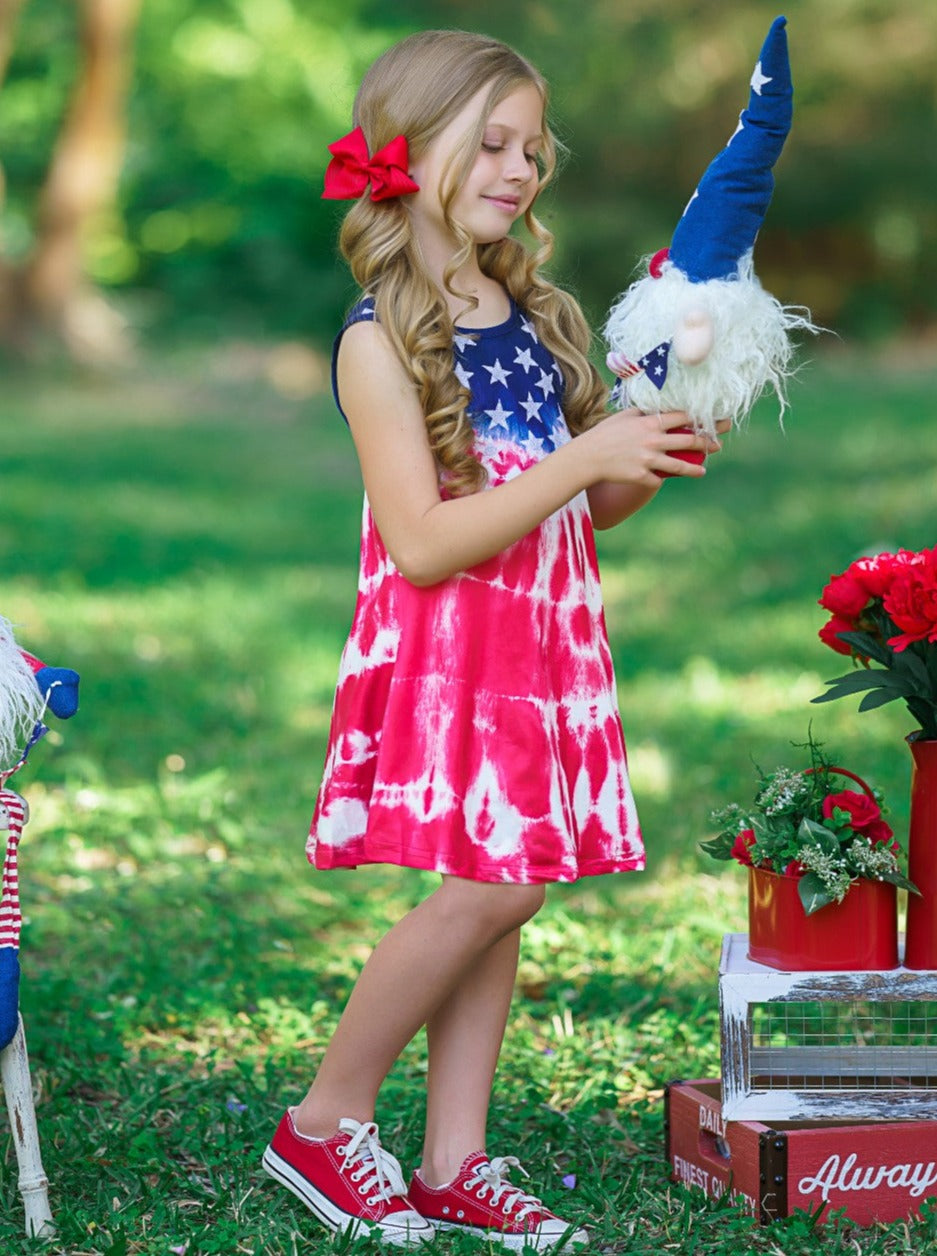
699 333
27 688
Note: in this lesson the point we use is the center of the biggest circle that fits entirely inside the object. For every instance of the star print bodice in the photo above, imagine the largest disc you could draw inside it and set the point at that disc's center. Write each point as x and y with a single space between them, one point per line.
516 386
475 730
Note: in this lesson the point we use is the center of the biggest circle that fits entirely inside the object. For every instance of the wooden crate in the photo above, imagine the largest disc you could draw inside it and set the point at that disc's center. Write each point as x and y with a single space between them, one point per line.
877 1171
859 1076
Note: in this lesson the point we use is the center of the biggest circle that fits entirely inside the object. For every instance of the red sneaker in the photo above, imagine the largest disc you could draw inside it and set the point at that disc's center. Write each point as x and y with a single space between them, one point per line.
348 1181
481 1200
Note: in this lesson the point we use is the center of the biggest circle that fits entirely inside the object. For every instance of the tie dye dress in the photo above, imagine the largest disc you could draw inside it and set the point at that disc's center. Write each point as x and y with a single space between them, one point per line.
475 729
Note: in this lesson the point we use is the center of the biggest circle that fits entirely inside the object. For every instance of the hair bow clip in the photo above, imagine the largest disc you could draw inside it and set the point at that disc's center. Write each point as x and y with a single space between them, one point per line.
351 169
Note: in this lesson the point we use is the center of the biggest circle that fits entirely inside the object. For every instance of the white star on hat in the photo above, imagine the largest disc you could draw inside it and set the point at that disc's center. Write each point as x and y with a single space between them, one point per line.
759 80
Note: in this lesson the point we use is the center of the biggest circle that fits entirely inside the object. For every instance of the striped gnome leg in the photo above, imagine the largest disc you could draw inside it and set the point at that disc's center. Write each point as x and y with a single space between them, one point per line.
13 815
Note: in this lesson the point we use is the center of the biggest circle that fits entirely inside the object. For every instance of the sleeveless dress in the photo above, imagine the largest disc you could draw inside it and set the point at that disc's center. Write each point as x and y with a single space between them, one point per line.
475 729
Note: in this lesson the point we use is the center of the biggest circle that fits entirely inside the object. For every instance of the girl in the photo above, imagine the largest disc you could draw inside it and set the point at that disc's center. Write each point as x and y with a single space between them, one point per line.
475 729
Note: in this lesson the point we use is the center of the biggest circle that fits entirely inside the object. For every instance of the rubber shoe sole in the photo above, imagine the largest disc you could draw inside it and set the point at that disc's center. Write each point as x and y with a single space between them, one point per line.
568 1241
406 1234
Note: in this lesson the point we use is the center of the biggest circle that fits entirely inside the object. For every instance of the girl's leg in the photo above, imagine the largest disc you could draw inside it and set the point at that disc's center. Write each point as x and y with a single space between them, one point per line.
464 1036
410 974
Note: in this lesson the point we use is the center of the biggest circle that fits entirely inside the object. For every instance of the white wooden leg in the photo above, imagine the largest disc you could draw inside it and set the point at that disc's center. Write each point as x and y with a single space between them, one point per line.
33 1183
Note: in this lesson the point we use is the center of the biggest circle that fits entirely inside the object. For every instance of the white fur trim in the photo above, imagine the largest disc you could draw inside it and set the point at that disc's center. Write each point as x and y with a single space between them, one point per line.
21 703
751 351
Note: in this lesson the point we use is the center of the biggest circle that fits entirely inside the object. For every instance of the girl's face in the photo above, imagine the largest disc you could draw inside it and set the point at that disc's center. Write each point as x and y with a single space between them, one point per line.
502 181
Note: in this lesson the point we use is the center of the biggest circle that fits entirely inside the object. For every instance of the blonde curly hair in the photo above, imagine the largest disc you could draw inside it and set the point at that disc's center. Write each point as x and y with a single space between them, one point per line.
415 89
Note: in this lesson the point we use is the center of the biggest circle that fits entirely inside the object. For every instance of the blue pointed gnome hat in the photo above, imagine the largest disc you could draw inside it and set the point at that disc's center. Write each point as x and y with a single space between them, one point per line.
720 223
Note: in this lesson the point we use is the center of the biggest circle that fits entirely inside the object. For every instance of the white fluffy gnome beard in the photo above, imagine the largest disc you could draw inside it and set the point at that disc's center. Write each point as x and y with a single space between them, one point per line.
751 347
21 703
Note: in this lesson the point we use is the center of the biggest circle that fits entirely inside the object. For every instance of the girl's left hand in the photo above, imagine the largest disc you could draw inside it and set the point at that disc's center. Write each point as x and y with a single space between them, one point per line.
696 456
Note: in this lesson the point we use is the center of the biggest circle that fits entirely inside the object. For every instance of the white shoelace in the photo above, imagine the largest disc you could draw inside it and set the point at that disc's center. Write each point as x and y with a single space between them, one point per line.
365 1151
492 1176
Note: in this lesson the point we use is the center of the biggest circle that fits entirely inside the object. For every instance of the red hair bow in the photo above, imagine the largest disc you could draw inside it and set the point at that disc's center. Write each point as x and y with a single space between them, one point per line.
351 169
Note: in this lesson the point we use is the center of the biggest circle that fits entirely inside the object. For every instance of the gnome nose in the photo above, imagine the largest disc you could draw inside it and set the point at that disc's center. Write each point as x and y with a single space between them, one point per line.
693 338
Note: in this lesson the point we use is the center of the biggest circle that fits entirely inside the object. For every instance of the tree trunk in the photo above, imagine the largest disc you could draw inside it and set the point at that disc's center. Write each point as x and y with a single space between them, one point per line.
81 183
9 9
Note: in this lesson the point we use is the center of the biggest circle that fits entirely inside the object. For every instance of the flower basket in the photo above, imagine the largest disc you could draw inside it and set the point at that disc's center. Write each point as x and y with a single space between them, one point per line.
823 870
860 933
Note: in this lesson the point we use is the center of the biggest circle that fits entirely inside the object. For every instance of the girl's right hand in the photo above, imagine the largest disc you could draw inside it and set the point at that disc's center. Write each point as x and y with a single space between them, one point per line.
629 447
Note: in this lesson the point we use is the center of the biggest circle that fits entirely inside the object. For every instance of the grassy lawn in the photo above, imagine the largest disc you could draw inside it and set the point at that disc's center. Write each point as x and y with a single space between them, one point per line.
187 540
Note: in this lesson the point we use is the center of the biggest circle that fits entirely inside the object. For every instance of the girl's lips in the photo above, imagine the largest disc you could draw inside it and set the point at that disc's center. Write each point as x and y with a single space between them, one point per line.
507 203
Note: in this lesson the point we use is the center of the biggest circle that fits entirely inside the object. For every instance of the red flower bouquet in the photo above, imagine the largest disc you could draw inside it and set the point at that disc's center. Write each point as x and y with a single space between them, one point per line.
883 610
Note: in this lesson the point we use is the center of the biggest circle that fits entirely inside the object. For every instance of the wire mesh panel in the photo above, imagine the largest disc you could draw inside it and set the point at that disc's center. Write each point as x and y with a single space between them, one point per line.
855 1045
809 1045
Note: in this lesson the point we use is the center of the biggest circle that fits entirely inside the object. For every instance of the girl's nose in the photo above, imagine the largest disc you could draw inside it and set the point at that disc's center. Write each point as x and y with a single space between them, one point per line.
517 168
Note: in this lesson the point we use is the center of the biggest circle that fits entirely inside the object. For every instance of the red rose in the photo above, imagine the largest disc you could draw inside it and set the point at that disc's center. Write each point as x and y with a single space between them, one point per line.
879 831
865 815
845 595
829 634
742 846
795 869
876 574
912 602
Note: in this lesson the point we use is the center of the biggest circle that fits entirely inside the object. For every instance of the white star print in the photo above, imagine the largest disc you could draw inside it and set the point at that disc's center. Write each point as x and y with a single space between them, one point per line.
531 408
545 384
658 370
462 341
529 328
524 359
462 375
499 416
759 80
498 374
740 127
534 445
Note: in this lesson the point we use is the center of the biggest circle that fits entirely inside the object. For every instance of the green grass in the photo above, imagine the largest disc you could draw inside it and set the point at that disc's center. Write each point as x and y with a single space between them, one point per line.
188 542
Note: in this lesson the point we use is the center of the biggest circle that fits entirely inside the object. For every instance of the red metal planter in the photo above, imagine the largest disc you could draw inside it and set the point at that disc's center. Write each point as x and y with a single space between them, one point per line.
860 933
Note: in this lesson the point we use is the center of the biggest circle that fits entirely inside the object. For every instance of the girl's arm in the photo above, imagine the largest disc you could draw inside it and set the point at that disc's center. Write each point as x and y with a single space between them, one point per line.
611 503
429 538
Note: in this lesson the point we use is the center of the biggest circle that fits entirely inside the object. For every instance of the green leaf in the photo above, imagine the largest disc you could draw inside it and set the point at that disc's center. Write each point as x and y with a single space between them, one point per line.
908 661
867 678
868 645
876 678
878 698
902 882
718 847
813 893
818 835
932 666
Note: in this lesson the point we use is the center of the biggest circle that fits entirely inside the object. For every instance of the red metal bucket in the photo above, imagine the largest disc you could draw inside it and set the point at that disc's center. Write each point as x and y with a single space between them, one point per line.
860 933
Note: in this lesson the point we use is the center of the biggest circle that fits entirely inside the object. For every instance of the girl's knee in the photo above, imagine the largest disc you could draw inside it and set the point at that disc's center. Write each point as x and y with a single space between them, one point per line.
501 906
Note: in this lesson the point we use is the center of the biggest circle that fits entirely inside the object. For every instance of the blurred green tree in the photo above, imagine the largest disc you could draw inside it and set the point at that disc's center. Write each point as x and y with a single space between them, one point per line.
218 221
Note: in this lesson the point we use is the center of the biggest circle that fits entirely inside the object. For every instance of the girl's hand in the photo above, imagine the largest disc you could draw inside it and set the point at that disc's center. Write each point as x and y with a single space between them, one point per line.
634 448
